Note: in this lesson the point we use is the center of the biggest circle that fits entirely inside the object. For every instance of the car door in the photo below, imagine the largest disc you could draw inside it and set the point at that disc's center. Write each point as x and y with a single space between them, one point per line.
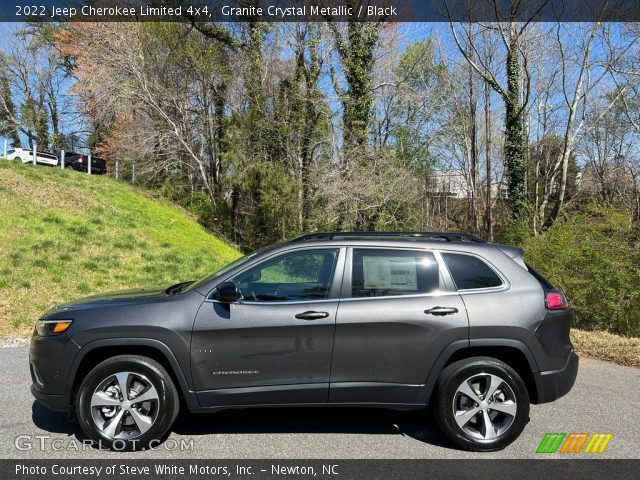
395 317
274 345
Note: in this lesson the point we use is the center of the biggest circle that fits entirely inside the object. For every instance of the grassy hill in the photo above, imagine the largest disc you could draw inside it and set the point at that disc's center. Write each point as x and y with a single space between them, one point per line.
65 234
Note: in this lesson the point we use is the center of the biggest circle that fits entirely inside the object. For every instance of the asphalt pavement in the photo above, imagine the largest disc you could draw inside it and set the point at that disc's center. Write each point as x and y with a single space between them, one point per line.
606 398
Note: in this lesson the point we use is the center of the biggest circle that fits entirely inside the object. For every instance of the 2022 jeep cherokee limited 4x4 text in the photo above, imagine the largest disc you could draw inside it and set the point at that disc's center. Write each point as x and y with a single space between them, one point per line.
395 320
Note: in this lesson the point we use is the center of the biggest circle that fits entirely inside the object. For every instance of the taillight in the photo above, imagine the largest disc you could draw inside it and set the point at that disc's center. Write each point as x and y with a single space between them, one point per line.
80 159
555 301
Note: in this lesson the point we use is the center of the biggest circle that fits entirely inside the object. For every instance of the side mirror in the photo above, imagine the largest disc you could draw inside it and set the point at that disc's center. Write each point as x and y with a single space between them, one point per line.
227 292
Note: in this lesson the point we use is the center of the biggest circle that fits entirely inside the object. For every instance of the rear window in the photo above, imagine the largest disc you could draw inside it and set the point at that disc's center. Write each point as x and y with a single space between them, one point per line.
470 272
382 272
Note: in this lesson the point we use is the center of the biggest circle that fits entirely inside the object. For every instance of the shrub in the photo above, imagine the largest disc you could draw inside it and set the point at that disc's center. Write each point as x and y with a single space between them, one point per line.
595 258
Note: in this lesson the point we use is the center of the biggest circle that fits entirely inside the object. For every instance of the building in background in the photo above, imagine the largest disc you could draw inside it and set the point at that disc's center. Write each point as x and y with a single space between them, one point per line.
454 183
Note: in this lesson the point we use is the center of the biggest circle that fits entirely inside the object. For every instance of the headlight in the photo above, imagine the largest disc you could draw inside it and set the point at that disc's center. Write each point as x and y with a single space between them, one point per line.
47 328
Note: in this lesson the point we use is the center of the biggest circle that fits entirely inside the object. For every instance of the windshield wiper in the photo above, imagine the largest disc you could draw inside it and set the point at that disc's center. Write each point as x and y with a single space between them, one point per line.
178 287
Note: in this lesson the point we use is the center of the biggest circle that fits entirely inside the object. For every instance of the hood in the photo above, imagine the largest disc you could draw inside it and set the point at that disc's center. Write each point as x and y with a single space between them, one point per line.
120 297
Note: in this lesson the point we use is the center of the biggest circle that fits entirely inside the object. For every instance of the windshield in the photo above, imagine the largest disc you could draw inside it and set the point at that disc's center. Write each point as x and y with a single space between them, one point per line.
223 270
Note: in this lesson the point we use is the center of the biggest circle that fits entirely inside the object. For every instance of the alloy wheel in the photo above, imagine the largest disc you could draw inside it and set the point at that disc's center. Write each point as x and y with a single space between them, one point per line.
124 405
484 407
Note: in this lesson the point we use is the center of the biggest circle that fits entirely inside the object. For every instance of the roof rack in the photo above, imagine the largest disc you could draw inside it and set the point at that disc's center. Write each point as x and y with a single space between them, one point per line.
443 236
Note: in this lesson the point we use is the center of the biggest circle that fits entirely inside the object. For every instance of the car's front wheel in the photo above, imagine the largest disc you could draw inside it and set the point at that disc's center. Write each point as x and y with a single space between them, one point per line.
482 404
127 402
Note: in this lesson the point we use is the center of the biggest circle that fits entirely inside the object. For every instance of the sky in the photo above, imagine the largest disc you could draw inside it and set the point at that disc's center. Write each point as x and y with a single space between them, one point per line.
440 33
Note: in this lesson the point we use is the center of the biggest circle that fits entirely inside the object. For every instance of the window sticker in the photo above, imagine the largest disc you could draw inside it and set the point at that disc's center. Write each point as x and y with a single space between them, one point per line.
390 272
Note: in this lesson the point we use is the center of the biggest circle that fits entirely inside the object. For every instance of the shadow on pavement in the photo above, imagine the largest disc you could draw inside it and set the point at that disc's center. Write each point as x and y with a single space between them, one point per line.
277 420
54 422
312 420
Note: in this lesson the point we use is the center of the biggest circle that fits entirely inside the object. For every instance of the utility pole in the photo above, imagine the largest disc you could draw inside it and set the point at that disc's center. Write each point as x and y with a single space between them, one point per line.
62 159
35 145
89 164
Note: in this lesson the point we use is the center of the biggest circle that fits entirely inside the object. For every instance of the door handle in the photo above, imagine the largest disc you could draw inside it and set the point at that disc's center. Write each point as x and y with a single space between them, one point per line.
312 315
441 311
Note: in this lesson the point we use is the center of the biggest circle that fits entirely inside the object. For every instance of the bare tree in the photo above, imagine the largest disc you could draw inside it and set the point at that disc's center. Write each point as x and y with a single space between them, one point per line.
515 94
32 100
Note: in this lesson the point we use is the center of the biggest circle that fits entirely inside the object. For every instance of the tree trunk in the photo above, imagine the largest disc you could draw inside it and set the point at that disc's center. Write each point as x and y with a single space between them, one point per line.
52 104
356 53
219 97
487 127
515 142
473 153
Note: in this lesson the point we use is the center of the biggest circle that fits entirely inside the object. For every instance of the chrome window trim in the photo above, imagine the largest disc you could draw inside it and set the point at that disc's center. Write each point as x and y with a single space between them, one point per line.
439 293
291 302
345 254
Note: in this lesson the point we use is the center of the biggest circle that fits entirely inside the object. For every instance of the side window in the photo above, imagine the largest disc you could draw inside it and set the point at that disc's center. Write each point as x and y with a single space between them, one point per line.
381 272
301 275
470 272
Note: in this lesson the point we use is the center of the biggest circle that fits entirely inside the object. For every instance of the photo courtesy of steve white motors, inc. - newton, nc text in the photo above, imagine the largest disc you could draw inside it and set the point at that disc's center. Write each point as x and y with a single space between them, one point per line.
319 239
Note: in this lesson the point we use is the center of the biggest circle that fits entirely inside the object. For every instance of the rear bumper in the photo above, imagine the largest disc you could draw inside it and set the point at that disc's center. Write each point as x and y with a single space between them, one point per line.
554 384
52 402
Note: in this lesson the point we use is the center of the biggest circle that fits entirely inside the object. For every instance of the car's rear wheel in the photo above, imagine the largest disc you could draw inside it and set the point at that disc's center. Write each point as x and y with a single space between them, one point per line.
481 403
127 402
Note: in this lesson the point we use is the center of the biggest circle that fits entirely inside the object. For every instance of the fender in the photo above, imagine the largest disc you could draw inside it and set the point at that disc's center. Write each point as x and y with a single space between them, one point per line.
189 395
424 393
507 342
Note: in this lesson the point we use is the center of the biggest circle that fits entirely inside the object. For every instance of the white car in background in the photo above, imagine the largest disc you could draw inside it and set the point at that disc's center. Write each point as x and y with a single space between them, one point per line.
26 156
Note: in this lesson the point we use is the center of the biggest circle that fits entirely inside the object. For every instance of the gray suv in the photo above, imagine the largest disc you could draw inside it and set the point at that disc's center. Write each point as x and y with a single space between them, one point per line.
396 320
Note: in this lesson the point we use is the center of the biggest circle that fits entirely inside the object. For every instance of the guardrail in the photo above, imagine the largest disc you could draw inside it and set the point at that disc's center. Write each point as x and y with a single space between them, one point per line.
116 173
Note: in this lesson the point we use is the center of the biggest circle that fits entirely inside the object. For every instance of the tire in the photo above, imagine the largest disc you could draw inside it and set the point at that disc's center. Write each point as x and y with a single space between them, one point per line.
462 412
138 424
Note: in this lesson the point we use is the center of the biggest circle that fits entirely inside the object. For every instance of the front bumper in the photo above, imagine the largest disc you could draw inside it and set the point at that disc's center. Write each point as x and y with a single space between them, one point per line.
554 384
50 361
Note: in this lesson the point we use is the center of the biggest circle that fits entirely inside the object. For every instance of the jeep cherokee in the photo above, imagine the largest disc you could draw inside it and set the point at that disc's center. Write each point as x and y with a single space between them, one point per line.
396 320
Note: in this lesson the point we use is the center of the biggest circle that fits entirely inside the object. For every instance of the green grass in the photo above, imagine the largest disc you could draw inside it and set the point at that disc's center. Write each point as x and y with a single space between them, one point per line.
606 346
65 234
